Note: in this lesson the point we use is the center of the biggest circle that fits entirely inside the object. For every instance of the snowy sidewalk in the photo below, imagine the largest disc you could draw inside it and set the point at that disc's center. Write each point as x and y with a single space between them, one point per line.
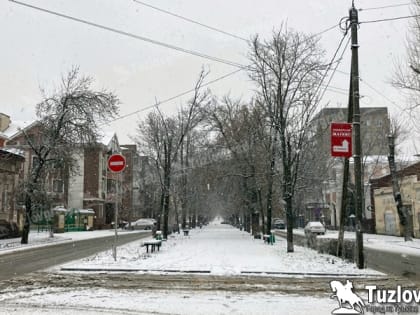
220 250
388 243
39 239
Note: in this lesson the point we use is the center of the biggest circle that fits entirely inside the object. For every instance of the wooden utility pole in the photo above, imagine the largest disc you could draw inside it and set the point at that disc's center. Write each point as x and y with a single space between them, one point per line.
344 193
357 156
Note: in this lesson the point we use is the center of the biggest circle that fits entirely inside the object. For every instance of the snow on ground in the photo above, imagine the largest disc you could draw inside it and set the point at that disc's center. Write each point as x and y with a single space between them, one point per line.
220 250
101 301
37 239
387 243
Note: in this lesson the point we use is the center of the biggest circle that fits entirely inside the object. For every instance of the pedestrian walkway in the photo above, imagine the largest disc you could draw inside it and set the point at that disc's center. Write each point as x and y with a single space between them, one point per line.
220 249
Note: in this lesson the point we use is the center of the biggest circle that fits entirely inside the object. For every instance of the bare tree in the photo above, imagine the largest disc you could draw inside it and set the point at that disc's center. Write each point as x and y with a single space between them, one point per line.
164 136
239 128
407 74
287 70
69 118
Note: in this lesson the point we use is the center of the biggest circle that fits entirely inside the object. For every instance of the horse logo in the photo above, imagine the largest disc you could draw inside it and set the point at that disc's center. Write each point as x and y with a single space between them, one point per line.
345 296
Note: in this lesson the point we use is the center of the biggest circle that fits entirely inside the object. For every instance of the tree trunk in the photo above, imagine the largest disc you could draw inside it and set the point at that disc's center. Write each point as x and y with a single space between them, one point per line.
290 220
270 181
405 220
270 194
27 222
261 208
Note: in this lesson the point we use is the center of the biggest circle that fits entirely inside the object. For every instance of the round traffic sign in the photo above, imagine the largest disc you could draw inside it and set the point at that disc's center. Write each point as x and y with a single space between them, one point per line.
116 163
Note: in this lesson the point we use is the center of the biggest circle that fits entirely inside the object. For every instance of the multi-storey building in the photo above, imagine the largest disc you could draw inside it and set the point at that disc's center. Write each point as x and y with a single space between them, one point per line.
323 195
90 186
10 170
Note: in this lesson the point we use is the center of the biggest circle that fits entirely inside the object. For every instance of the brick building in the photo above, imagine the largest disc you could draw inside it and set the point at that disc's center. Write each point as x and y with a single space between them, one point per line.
11 168
93 186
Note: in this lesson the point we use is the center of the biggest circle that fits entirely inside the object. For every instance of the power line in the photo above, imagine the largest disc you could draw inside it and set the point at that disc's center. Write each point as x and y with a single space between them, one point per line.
338 63
215 28
381 94
329 67
375 90
192 21
174 97
149 40
390 19
131 35
385 7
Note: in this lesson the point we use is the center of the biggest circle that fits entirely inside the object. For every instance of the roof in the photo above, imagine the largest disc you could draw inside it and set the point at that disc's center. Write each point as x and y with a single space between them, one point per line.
12 153
16 126
413 169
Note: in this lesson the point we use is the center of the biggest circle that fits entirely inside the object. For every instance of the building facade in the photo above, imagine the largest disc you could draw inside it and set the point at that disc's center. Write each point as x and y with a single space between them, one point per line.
325 189
11 168
383 203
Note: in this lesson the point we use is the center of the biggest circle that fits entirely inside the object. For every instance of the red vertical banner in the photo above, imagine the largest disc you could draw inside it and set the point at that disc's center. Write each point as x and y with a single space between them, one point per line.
341 140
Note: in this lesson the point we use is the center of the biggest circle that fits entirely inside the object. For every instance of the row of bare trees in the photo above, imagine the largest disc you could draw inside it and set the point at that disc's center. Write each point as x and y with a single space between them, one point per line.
253 150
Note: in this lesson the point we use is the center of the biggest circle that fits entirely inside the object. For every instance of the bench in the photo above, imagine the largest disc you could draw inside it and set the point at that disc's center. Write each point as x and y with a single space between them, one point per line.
153 245
186 231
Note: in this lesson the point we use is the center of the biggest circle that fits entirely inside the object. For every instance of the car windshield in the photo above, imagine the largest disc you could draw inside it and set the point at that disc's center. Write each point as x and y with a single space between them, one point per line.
210 157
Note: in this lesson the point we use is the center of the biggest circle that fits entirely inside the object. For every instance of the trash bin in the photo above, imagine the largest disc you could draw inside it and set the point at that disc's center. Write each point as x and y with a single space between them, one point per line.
273 238
158 235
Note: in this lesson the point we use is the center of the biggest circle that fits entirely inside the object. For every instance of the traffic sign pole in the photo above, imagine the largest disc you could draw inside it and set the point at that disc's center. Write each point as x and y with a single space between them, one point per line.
116 164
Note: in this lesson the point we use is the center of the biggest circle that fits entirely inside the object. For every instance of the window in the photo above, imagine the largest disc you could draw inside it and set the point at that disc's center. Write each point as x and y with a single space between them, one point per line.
4 198
58 185
35 162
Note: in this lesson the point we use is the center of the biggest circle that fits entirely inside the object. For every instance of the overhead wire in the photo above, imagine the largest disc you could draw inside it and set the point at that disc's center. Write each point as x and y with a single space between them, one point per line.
146 39
390 19
337 64
330 64
191 21
385 7
159 43
174 97
131 35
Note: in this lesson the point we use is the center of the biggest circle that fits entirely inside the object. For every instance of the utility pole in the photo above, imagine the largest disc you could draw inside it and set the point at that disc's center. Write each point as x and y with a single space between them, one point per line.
346 171
357 156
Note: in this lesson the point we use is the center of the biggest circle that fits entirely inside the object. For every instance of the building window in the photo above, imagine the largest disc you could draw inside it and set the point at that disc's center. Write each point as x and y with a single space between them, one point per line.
35 162
58 185
4 198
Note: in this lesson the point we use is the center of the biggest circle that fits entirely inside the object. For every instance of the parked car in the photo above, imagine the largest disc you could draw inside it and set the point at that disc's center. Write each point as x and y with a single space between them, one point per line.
315 227
8 229
142 224
4 232
279 224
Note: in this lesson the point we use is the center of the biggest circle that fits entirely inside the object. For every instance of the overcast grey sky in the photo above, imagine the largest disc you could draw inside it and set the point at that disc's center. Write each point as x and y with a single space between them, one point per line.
38 47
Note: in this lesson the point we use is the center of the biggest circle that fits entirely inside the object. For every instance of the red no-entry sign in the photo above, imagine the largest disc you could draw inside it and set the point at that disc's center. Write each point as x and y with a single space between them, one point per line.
116 163
341 139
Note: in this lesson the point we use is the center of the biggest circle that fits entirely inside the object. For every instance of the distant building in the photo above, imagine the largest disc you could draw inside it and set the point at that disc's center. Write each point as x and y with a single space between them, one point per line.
383 203
324 186
375 126
130 207
94 186
11 168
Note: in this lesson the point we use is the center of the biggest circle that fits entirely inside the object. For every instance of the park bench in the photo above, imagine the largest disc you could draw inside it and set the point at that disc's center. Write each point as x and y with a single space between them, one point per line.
186 231
153 244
